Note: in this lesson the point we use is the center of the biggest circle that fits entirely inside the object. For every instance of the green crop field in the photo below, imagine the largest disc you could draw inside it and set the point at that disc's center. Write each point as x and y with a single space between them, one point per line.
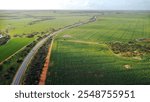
12 46
113 50
23 23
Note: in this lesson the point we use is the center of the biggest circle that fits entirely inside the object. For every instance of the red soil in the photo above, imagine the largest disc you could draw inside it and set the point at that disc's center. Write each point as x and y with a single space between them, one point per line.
46 66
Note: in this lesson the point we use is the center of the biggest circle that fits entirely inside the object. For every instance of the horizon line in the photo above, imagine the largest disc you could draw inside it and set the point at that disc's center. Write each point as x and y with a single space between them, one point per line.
78 9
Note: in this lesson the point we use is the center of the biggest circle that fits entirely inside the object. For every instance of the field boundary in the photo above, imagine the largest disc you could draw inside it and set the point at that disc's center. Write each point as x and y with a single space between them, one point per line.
84 42
46 65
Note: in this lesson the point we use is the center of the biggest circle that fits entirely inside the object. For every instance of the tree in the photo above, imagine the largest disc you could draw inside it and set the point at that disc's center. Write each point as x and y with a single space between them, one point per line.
1 67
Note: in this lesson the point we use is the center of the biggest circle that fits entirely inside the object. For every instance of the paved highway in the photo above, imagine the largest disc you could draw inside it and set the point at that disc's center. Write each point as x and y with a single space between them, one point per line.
31 54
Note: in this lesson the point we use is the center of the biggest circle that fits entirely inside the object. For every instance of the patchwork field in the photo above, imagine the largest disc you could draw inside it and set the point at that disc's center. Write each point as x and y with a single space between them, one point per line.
22 24
23 29
113 50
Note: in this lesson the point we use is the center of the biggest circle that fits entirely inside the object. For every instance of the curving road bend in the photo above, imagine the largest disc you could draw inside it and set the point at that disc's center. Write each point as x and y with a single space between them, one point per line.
31 54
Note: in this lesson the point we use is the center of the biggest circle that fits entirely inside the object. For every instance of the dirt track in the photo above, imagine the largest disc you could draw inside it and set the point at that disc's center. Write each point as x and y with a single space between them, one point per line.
46 66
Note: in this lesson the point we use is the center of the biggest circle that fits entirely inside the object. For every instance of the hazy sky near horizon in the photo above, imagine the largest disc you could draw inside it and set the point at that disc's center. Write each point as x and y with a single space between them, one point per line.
77 4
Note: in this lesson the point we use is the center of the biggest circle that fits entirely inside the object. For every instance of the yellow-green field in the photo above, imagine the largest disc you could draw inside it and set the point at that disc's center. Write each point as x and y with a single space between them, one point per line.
19 23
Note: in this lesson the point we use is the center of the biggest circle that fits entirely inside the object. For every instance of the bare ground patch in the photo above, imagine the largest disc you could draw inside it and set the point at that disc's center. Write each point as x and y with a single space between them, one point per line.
80 41
127 66
143 40
67 36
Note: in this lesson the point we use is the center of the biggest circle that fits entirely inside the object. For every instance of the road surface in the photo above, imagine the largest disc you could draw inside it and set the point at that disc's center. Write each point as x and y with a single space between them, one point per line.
31 54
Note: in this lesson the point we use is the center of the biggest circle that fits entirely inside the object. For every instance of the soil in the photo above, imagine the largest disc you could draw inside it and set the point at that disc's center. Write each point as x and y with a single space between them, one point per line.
84 42
67 36
144 40
127 66
137 58
46 66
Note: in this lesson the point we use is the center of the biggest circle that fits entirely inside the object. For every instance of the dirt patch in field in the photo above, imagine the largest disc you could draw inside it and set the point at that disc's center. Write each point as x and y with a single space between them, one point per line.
67 36
146 40
127 66
143 40
84 42
134 55
137 58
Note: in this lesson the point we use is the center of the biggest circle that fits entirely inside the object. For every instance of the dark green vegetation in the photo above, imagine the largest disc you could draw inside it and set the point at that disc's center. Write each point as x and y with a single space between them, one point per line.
132 49
8 68
112 50
34 71
4 40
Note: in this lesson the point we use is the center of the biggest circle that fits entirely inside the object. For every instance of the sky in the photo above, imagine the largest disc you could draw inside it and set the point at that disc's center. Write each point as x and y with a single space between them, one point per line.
77 4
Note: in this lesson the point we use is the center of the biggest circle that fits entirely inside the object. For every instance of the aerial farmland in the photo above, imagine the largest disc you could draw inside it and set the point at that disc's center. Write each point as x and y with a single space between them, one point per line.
85 47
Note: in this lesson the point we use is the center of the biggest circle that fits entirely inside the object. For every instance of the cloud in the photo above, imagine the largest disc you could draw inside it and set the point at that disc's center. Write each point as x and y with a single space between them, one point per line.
125 4
107 4
77 4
